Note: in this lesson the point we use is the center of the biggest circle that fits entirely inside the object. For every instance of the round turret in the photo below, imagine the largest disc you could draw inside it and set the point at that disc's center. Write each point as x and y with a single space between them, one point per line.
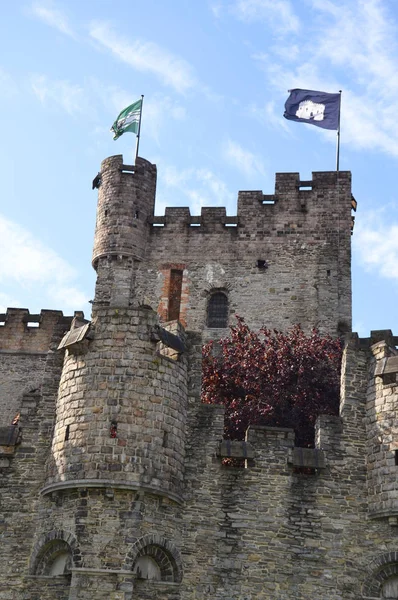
126 201
121 410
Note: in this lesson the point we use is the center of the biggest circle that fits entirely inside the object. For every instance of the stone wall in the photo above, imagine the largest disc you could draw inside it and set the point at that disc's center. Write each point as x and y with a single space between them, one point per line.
25 341
285 258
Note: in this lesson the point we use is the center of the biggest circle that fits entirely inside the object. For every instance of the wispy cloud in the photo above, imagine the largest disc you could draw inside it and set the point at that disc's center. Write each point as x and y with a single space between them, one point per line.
8 301
375 243
269 114
29 264
146 56
70 97
352 47
278 13
52 16
197 188
245 161
156 108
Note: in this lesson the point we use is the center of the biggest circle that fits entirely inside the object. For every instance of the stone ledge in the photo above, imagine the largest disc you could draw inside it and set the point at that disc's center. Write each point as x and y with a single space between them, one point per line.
108 483
93 570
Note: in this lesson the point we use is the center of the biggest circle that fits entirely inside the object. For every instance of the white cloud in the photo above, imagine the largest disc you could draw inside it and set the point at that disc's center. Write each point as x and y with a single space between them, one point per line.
199 187
352 47
244 160
27 264
8 301
70 97
375 243
146 56
52 16
270 115
278 13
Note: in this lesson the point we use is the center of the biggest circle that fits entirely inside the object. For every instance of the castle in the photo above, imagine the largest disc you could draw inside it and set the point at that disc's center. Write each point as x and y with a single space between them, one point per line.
112 479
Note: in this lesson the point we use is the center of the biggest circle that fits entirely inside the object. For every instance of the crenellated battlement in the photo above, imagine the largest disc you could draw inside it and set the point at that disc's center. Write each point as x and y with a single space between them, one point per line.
21 331
294 203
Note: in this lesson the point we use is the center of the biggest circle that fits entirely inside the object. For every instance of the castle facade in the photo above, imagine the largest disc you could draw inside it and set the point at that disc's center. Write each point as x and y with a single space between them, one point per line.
112 479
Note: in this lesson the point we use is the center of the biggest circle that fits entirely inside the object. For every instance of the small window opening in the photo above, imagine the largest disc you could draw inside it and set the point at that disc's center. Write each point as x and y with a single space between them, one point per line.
67 433
113 430
328 272
106 212
217 311
396 458
165 439
32 324
137 214
175 294
262 264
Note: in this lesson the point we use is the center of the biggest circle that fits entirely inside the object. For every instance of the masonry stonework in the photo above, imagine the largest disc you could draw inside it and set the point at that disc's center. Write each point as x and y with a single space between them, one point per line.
112 478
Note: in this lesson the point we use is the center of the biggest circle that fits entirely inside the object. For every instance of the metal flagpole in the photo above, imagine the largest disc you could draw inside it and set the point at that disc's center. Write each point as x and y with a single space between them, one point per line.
139 130
338 137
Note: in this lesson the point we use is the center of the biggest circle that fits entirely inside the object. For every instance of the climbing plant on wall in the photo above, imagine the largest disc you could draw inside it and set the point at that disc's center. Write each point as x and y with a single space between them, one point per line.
273 378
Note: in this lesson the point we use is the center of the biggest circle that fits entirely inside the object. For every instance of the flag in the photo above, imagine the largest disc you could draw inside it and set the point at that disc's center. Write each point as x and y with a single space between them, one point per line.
128 120
316 108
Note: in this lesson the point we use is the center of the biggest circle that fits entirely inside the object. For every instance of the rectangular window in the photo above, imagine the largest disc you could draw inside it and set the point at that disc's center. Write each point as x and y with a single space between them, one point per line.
175 294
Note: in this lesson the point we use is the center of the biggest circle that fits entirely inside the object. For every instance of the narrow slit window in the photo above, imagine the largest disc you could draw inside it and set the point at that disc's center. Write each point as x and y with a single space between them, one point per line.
175 294
217 311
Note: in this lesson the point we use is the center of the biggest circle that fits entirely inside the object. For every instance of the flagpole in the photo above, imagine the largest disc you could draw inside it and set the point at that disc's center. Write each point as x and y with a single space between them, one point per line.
338 137
139 130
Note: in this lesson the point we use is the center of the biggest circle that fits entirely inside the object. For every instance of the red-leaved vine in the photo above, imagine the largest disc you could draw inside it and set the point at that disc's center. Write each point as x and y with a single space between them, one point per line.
273 378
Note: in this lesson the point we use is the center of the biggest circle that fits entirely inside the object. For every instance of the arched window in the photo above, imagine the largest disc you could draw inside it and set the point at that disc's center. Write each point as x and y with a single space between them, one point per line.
217 311
55 558
156 563
390 588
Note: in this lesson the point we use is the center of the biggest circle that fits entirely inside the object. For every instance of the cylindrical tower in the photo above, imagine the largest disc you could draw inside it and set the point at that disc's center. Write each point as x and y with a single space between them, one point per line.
118 451
126 200
121 409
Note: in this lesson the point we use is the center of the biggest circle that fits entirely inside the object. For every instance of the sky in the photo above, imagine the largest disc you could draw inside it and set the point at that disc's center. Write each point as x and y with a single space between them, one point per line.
215 75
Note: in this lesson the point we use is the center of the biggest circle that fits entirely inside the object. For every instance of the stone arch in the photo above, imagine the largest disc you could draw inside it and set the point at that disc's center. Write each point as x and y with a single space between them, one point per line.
382 569
160 551
55 551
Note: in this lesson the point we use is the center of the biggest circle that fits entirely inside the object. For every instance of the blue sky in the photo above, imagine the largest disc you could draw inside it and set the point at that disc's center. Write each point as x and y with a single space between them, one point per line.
215 75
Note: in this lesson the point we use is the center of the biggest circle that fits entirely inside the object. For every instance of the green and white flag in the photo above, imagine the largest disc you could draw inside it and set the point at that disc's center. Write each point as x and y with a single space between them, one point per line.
128 120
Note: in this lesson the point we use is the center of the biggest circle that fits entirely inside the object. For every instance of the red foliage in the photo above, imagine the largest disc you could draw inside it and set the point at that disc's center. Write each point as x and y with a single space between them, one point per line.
273 378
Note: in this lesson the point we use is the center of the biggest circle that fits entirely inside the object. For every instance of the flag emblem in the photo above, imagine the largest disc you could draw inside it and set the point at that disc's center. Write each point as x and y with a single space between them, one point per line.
128 120
316 108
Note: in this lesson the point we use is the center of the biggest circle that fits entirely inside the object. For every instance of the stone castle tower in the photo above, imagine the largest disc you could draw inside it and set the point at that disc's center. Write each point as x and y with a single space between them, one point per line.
112 483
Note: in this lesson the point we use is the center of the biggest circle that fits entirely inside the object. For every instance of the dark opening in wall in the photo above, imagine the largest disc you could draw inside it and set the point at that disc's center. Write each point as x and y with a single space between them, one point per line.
113 430
396 457
67 433
217 311
175 294
262 264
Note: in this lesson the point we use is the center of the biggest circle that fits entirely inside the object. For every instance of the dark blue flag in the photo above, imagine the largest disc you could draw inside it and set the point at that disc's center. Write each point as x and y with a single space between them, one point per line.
315 108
